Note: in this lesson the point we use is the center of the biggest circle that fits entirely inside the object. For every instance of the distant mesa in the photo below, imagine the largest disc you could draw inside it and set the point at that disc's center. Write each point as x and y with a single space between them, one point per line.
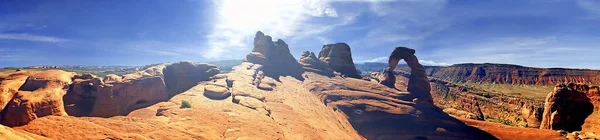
339 57
511 74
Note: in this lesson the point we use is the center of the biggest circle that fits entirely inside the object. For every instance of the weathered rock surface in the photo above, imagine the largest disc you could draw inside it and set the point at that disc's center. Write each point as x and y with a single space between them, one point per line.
339 58
40 95
30 95
180 77
93 97
418 83
274 56
11 134
311 63
9 86
216 92
572 107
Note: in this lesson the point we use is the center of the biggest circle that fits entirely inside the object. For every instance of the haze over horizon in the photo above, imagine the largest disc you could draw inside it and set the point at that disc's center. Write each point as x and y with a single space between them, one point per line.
535 33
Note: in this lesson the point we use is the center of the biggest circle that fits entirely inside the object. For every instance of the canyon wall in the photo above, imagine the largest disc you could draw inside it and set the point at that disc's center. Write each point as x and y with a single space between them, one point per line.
510 74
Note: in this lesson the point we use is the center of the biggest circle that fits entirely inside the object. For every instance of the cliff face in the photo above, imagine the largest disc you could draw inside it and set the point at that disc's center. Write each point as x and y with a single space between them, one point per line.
511 74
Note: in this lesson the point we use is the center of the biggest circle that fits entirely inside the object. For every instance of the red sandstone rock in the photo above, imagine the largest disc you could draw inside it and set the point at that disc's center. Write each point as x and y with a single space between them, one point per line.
511 74
339 58
40 95
572 107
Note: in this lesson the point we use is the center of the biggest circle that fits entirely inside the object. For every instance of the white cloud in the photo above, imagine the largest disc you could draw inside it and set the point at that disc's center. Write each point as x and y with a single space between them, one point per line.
382 59
592 6
238 20
30 37
162 48
432 63
535 41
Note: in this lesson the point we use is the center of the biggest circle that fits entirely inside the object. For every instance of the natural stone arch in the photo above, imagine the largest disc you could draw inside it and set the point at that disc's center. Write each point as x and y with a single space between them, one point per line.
418 83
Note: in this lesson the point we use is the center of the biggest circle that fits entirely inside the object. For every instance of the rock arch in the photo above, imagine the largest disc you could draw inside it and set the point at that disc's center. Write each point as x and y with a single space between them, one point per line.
418 84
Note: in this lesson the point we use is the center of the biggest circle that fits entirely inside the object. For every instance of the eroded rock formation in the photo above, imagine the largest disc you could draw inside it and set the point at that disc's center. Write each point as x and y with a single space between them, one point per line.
30 95
418 83
572 107
40 95
119 96
339 58
311 63
274 56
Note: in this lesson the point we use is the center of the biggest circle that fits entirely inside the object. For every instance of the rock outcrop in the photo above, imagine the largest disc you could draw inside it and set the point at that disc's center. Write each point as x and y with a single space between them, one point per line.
274 56
40 95
418 83
30 95
339 58
311 63
9 86
572 107
119 96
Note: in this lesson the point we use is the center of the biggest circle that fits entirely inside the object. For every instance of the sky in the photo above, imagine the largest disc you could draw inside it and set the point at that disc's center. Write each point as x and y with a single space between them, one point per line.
536 33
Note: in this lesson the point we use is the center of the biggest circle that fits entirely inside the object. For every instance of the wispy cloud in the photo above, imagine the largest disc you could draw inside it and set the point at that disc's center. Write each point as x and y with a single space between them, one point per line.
592 6
237 20
163 48
376 59
30 37
535 41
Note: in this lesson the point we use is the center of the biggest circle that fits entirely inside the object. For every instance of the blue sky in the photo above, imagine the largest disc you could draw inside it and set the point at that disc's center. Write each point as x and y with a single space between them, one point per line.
539 33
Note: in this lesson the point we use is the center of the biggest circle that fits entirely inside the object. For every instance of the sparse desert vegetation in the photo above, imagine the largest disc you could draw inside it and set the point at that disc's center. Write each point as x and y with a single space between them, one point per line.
186 104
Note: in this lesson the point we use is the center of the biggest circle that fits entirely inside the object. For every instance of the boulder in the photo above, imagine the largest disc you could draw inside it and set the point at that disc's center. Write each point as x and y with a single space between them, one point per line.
216 92
40 95
275 57
311 63
339 57
572 107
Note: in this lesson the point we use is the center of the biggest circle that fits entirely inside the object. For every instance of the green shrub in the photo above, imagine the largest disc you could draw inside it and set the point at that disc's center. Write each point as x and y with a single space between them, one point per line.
186 104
